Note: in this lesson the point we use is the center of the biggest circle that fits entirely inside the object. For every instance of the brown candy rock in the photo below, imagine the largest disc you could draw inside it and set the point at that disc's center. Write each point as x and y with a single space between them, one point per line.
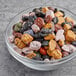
40 22
48 19
19 43
17 34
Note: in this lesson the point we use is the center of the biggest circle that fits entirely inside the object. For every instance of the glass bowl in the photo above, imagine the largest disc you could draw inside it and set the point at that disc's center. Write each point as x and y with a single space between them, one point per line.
35 64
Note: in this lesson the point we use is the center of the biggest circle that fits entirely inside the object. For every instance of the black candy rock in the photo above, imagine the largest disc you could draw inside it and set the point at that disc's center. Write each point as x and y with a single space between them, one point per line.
25 18
45 56
26 26
45 43
32 18
36 10
74 28
37 35
55 20
74 43
40 14
39 39
37 57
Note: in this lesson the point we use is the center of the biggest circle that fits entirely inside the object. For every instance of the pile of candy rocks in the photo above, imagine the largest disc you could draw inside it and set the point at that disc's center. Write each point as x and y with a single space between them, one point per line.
44 34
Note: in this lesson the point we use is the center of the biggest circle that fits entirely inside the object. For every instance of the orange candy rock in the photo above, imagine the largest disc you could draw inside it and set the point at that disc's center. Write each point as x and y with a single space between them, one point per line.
68 19
31 55
67 27
61 42
48 25
45 9
19 43
26 38
70 35
56 54
60 20
49 37
52 45
58 14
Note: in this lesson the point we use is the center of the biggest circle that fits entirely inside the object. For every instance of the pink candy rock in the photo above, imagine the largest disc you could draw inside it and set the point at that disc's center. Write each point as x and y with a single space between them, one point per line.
65 53
57 27
32 14
35 45
11 38
25 15
35 28
59 35
51 13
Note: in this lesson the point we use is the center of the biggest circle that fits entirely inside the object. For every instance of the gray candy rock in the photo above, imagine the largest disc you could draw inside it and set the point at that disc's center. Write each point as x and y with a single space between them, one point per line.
29 32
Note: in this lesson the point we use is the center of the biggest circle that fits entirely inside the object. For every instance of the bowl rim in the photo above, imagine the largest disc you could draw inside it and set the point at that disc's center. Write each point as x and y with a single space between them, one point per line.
54 62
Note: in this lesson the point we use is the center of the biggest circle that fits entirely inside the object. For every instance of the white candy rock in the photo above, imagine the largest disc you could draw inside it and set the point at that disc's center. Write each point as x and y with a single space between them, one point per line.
65 48
11 38
59 35
51 13
69 48
35 45
27 50
25 15
46 60
72 48
32 14
35 28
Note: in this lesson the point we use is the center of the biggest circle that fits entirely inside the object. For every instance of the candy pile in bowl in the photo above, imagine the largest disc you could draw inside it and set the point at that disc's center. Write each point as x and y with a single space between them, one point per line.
44 34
